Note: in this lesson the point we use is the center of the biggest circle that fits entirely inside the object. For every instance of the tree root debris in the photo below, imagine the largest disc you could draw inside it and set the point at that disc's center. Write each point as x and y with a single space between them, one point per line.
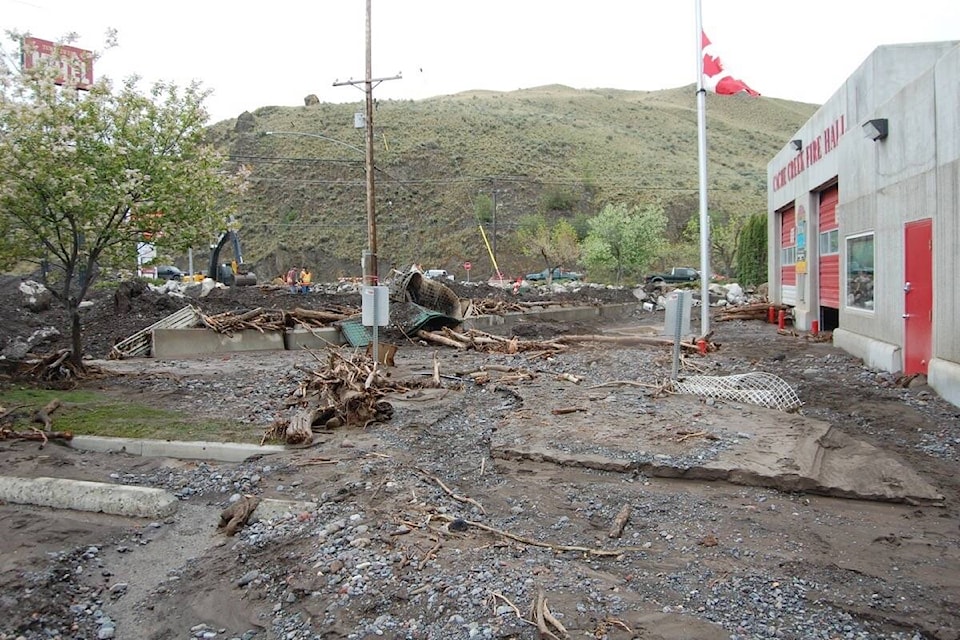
348 391
234 517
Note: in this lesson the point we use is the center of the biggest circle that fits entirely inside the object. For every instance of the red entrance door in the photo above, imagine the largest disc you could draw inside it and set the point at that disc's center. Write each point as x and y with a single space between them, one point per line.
917 295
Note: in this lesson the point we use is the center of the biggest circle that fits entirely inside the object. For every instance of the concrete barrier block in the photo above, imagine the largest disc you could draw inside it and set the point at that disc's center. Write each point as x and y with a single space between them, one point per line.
82 495
944 377
874 353
183 449
178 343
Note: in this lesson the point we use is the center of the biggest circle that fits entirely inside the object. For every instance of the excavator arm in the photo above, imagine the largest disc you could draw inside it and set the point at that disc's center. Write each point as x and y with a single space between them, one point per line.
229 274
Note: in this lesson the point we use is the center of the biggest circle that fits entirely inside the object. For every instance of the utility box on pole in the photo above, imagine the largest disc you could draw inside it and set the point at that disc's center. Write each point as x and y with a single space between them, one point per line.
677 313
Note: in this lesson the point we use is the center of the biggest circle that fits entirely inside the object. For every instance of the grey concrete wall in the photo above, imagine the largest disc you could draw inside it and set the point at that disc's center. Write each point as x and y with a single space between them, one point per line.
946 231
298 339
179 343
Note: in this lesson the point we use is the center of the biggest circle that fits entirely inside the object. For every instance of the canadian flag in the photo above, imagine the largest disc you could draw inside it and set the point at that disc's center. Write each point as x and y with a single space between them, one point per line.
715 78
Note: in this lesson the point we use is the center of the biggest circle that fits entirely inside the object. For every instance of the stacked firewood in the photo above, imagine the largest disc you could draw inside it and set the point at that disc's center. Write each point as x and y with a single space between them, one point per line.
348 392
755 311
262 320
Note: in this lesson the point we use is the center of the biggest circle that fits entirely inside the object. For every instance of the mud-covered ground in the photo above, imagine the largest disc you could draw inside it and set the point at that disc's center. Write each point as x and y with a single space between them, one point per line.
376 554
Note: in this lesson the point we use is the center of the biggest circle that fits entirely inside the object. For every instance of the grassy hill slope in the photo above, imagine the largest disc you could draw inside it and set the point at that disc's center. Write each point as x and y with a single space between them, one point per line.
556 149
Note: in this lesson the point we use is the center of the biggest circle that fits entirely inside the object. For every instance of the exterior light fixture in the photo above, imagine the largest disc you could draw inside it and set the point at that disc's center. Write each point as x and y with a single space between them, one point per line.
796 144
875 129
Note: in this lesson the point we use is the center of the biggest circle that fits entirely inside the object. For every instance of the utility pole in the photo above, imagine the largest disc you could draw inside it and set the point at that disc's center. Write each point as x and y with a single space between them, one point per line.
370 269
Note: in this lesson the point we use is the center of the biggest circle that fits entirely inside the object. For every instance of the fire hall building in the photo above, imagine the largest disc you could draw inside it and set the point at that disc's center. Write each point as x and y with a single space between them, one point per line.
864 215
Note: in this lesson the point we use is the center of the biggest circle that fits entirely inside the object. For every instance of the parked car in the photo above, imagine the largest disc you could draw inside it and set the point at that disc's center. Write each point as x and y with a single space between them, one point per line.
169 272
435 274
558 275
677 274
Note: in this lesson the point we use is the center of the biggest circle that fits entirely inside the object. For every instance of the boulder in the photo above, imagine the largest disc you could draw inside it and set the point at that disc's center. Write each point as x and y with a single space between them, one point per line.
36 297
246 122
19 346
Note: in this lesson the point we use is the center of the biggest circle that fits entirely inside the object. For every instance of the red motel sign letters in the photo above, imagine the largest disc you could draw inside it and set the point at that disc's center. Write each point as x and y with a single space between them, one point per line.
76 65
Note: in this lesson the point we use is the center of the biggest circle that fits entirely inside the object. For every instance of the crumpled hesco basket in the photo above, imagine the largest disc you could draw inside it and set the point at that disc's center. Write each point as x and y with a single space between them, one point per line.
759 388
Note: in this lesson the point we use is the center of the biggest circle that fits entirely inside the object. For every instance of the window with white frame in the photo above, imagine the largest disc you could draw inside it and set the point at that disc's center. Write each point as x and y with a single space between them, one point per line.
830 242
860 274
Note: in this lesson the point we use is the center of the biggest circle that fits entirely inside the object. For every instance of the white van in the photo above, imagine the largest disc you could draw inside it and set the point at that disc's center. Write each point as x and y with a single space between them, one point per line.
436 274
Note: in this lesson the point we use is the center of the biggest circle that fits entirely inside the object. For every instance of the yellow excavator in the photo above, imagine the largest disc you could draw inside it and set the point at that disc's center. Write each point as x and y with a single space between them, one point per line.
233 273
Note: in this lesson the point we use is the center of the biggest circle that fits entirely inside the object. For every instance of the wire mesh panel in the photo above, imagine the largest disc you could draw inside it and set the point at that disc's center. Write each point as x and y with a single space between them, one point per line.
759 388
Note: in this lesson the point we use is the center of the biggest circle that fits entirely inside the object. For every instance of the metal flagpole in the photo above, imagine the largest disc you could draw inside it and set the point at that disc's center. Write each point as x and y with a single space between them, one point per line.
702 151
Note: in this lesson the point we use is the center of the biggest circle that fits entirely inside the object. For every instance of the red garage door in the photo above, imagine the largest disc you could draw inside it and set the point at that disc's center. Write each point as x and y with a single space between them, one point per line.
788 256
829 245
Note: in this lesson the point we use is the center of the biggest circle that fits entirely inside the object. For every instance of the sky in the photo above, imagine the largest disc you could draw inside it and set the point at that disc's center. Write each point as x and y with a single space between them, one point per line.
277 52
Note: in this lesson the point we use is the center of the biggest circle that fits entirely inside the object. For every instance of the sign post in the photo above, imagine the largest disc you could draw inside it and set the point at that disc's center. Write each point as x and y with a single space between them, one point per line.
467 266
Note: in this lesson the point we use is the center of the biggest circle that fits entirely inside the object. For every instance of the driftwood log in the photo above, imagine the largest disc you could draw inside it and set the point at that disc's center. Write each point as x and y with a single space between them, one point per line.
488 342
43 437
262 320
43 415
620 522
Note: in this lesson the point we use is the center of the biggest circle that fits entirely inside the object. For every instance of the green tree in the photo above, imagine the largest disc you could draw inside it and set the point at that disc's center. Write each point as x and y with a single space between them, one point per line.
622 238
483 207
725 230
86 175
752 251
557 245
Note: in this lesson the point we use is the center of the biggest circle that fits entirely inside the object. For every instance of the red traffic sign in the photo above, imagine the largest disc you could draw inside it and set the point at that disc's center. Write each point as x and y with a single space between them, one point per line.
467 265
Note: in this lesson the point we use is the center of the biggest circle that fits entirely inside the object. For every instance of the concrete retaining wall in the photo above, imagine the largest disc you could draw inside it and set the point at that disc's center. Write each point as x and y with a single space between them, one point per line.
312 338
178 343
182 343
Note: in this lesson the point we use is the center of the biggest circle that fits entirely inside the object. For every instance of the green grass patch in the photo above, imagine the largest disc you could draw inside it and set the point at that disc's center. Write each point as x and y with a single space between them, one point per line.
97 413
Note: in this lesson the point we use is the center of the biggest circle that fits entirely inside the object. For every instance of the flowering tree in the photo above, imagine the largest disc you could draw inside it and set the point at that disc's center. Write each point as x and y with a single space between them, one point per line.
85 175
623 238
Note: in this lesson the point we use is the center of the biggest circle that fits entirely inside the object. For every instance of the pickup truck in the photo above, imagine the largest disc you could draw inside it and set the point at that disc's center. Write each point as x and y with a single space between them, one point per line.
677 274
558 275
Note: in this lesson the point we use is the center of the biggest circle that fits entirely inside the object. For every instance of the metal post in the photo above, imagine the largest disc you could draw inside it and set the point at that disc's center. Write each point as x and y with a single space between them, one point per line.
702 157
371 277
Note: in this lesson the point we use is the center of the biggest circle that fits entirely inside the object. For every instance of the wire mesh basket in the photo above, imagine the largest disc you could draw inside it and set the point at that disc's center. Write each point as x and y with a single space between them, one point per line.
758 388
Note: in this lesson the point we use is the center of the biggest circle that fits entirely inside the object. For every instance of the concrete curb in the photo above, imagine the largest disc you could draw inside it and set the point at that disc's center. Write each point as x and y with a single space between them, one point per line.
186 450
81 495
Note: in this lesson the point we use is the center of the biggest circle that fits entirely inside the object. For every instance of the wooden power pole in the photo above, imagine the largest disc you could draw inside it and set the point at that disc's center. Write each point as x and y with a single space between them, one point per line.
370 268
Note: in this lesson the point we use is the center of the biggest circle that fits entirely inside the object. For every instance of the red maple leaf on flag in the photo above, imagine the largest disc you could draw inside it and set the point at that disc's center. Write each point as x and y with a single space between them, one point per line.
715 78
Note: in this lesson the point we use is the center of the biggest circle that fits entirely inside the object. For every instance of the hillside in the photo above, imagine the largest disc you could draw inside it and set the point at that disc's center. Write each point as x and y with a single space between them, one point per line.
551 148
